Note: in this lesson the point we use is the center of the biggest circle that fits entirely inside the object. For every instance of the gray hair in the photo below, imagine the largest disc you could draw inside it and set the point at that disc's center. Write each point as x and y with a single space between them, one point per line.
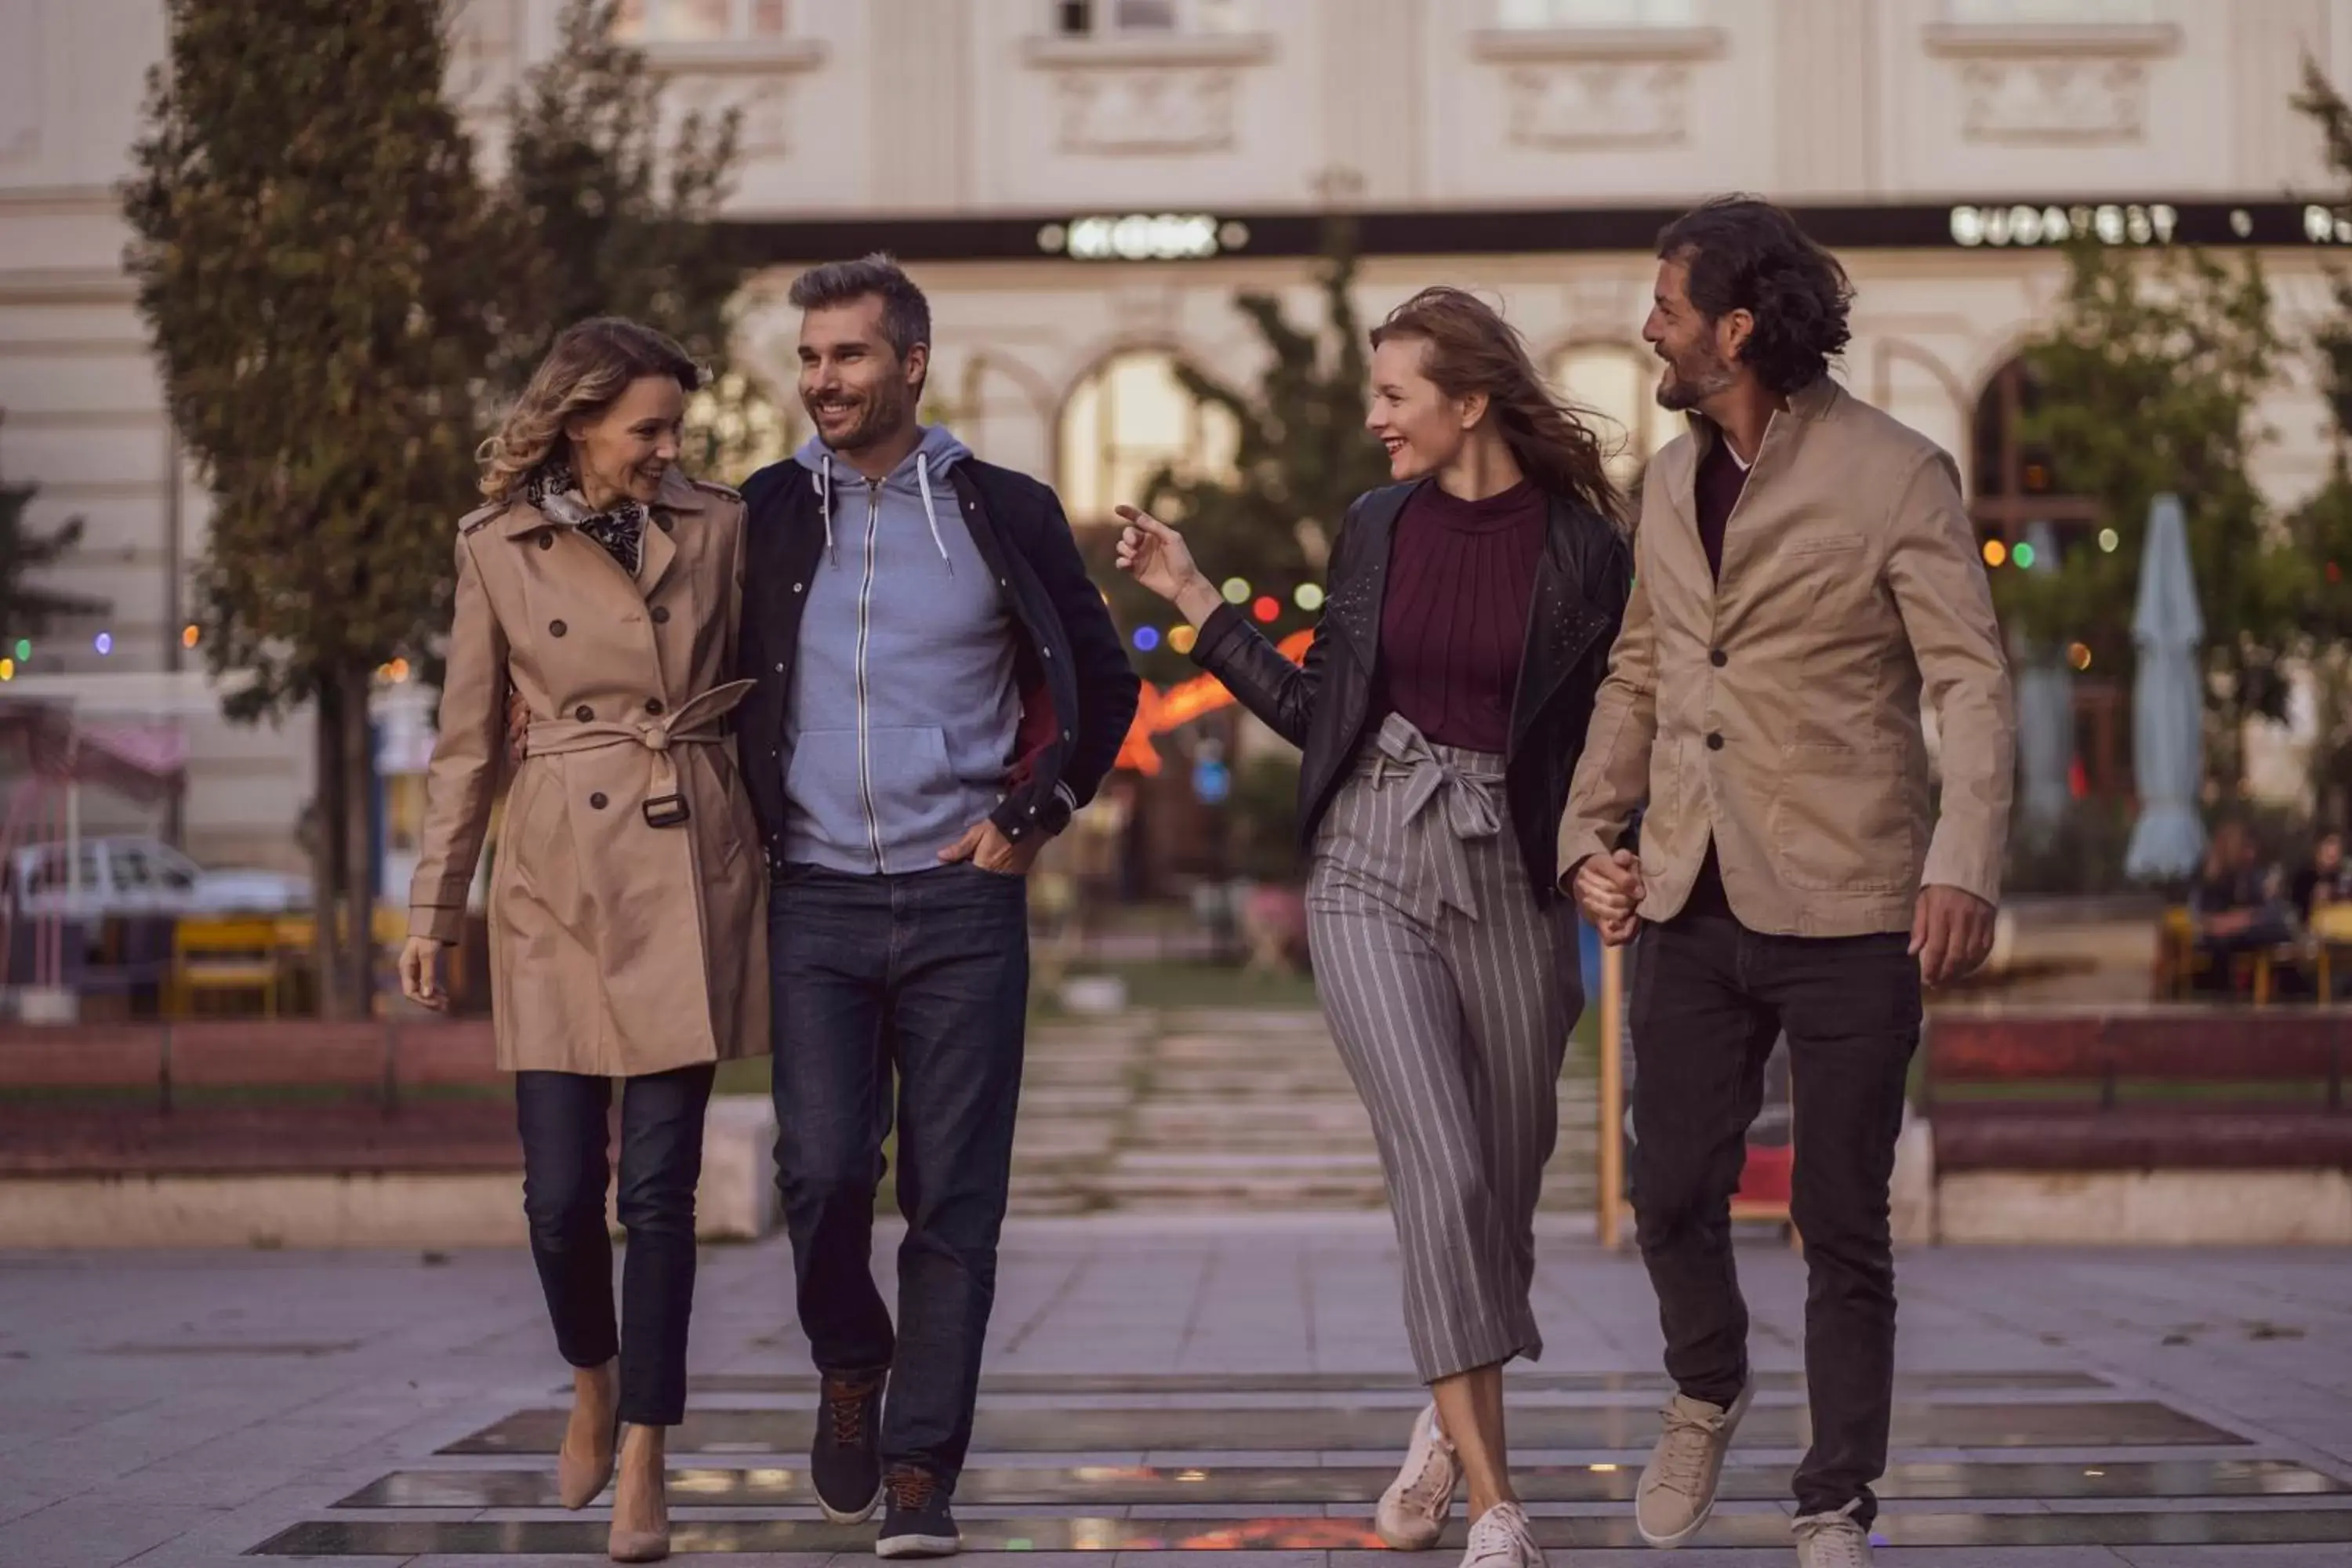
906 314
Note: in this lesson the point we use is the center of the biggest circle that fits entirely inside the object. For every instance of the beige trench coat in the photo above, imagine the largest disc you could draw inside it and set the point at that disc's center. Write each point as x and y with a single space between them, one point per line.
618 946
1775 711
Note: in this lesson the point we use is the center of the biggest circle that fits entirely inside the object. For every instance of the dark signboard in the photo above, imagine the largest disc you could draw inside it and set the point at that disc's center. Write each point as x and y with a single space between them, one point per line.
1111 239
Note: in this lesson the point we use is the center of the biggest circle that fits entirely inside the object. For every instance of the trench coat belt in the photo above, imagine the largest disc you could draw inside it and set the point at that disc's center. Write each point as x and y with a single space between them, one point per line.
1402 753
694 723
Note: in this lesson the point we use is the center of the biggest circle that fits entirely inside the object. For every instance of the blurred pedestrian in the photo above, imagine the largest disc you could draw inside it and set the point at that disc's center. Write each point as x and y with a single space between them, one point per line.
2324 879
1805 572
598 588
2234 907
1440 710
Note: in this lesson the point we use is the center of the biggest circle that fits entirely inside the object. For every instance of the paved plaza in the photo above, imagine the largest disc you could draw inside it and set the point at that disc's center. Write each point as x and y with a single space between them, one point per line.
1159 1383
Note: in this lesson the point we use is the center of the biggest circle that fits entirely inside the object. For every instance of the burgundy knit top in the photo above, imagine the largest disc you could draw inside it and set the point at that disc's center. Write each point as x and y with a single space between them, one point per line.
1454 621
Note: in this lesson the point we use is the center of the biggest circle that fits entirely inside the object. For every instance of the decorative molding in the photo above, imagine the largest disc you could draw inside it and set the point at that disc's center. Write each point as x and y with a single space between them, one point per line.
1558 107
1513 45
737 57
1149 49
2053 85
1135 111
2045 101
1976 40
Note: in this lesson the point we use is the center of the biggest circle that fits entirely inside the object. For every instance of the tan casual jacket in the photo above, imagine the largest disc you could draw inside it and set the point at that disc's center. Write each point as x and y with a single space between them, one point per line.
1779 710
618 947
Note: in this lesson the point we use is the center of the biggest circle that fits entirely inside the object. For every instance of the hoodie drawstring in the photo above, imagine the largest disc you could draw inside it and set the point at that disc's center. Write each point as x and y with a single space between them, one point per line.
825 501
923 479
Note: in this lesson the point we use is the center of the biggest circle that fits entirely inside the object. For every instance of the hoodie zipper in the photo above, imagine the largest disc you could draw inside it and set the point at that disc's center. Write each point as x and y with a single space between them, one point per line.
864 726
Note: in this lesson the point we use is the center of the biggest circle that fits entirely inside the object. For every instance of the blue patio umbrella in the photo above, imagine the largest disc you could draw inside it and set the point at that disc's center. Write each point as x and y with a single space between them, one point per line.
2045 719
2167 704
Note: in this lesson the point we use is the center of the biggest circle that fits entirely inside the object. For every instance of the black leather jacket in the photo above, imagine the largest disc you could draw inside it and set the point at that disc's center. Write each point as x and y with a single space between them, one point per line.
1324 706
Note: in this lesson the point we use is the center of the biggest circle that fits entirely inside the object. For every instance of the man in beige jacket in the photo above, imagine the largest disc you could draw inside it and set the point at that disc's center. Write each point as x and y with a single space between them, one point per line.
1804 572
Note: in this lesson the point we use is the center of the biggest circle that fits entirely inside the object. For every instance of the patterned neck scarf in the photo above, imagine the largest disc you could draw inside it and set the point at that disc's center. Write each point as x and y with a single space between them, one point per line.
621 530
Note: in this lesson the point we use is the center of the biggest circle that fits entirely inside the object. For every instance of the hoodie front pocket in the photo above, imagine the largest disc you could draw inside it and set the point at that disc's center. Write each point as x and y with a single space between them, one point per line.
864 793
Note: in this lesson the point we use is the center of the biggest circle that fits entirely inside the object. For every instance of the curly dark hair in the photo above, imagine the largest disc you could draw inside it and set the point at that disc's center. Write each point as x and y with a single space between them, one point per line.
1746 254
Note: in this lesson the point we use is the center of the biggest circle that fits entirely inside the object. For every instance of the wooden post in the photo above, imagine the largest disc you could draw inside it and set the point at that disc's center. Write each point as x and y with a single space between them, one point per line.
1612 1096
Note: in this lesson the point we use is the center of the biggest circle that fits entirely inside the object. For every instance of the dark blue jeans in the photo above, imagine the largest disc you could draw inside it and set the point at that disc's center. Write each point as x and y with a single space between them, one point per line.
562 1116
1709 997
924 976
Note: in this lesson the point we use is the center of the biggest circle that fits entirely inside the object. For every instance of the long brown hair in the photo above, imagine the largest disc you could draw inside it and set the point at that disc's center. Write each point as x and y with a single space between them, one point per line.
592 364
1471 349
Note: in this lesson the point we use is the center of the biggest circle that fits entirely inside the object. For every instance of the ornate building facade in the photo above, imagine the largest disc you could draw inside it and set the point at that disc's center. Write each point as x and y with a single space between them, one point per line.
1083 186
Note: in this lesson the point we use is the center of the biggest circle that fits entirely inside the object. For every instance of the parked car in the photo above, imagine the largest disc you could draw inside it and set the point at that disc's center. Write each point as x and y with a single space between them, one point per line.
127 876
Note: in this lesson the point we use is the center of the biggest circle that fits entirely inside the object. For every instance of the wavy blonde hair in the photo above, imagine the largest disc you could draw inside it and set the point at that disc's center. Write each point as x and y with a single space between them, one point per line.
590 366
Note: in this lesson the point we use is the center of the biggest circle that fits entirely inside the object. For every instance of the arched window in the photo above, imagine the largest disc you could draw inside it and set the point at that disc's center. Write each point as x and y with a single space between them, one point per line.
1126 420
1620 383
2013 481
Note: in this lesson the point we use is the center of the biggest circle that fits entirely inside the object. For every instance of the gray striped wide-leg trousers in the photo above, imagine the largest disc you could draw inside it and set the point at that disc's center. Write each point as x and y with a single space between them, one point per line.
1451 994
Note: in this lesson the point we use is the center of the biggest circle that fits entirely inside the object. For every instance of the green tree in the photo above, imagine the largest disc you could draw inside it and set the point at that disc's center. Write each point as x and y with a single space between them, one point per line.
2322 527
312 258
1300 457
25 608
604 216
2149 380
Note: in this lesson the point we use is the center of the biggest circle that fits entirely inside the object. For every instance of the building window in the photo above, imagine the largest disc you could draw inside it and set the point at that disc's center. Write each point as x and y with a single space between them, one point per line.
1113 18
1619 383
1548 15
1128 420
701 21
2050 12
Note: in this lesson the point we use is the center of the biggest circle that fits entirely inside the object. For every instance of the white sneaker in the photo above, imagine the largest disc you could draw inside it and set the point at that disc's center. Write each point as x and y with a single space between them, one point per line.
1677 1488
1414 1511
1832 1539
1501 1538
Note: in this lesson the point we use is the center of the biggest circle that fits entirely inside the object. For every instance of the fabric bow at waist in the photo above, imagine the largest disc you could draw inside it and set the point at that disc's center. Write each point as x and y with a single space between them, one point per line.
694 723
1402 753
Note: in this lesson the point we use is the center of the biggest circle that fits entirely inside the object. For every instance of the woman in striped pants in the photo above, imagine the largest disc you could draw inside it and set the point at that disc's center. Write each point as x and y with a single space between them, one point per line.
1470 612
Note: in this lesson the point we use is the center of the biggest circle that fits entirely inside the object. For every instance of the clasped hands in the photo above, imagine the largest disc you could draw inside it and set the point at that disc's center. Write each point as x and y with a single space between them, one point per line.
1951 930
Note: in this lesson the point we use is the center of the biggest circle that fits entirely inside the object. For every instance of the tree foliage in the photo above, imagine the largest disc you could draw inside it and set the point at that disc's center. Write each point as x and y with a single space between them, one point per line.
314 263
609 205
26 609
2322 527
2148 381
1300 457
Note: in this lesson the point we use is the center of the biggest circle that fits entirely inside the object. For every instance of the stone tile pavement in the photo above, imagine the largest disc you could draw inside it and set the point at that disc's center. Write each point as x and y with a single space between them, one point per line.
177 1411
1203 1111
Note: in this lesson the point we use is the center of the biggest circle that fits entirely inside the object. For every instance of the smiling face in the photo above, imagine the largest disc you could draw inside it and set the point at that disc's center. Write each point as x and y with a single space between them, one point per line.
625 450
1701 356
857 390
1420 428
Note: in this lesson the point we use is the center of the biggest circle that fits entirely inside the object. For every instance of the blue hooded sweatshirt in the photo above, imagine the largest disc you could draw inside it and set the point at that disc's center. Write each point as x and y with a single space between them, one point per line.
903 712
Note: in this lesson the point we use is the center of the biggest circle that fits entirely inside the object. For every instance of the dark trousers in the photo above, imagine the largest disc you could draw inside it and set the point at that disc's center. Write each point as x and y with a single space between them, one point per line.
1709 998
925 975
562 1117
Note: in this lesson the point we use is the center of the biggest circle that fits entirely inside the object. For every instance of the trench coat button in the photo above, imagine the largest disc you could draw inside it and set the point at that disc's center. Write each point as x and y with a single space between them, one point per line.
664 523
598 800
1047 652
798 586
1715 741
1718 659
661 615
584 712
779 670
556 628
547 539
654 706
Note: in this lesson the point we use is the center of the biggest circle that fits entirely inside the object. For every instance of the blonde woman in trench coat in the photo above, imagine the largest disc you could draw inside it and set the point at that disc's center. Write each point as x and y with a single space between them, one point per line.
601 586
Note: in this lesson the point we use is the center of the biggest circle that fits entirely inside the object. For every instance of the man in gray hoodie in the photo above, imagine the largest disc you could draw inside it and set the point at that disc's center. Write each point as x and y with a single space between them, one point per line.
939 686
